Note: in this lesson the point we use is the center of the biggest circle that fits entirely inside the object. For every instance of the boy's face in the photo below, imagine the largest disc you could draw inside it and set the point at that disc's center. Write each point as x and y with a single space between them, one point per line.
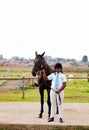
58 69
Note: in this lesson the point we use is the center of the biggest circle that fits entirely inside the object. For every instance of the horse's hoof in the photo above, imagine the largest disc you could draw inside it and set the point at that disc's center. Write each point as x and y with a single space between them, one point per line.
48 117
40 116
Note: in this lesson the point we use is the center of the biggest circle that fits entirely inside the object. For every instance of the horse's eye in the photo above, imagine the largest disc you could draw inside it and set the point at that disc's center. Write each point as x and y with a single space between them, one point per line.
35 60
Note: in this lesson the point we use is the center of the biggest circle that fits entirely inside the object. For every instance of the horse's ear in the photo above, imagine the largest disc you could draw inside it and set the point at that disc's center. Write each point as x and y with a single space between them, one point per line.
43 53
36 53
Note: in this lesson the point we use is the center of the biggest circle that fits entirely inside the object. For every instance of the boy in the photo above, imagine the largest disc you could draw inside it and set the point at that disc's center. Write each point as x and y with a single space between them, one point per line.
56 93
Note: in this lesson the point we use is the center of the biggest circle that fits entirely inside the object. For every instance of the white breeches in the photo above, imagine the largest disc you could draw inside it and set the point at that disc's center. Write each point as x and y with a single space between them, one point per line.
55 101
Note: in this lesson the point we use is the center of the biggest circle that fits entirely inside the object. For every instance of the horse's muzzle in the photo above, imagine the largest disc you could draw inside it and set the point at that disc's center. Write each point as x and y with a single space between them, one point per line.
33 73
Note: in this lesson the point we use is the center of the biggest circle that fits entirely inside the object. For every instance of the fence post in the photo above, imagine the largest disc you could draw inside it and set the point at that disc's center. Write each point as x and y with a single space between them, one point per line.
88 76
23 88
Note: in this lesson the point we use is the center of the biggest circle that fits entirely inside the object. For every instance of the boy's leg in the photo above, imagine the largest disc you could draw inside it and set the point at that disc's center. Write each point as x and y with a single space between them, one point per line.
60 106
53 103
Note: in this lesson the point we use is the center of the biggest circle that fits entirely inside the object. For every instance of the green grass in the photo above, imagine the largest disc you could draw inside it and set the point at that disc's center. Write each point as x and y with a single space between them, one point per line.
75 91
15 71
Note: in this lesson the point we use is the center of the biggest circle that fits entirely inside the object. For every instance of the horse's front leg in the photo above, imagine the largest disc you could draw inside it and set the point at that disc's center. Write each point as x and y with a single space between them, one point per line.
42 102
49 103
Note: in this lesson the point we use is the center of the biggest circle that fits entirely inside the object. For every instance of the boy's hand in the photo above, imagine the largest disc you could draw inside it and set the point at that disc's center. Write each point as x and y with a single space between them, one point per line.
43 70
57 91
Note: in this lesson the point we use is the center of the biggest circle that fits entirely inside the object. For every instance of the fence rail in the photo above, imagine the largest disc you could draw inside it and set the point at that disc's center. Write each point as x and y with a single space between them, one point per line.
33 79
21 78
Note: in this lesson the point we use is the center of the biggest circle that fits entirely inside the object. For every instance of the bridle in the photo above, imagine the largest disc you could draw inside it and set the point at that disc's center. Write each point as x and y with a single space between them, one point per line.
39 65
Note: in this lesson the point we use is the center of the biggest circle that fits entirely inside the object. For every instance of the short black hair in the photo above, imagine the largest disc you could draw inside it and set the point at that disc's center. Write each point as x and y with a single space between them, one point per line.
58 65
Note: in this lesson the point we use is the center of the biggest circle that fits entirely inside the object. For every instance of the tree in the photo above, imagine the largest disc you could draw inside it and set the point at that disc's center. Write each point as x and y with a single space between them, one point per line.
15 58
1 57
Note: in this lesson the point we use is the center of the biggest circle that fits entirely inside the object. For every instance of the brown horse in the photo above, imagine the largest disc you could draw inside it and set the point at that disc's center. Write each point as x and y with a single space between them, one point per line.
39 64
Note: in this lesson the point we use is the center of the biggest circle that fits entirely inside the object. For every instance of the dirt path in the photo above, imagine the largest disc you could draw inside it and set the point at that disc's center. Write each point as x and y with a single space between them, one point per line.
27 112
8 85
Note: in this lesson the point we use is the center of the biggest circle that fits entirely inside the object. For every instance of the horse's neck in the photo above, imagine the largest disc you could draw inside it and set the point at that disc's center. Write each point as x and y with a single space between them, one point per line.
48 69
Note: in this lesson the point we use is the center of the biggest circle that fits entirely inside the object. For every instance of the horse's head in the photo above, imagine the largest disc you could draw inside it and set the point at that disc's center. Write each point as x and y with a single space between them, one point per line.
38 63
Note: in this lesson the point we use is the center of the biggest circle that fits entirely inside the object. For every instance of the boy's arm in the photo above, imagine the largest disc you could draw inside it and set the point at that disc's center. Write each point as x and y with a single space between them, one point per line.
44 75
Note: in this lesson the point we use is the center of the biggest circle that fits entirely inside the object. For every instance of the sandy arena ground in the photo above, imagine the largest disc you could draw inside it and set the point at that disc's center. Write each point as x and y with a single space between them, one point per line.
27 112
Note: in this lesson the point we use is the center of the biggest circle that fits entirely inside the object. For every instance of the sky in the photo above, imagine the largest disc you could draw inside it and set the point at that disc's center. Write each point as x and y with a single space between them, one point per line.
60 28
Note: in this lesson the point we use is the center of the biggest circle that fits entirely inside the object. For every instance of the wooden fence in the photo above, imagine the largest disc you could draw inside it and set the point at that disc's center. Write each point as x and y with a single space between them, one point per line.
35 79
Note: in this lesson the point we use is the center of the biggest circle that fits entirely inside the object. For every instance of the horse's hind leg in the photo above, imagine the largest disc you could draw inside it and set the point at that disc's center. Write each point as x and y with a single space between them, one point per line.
42 102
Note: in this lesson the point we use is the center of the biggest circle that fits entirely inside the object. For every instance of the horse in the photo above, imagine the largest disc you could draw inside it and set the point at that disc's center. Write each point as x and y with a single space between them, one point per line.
39 64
